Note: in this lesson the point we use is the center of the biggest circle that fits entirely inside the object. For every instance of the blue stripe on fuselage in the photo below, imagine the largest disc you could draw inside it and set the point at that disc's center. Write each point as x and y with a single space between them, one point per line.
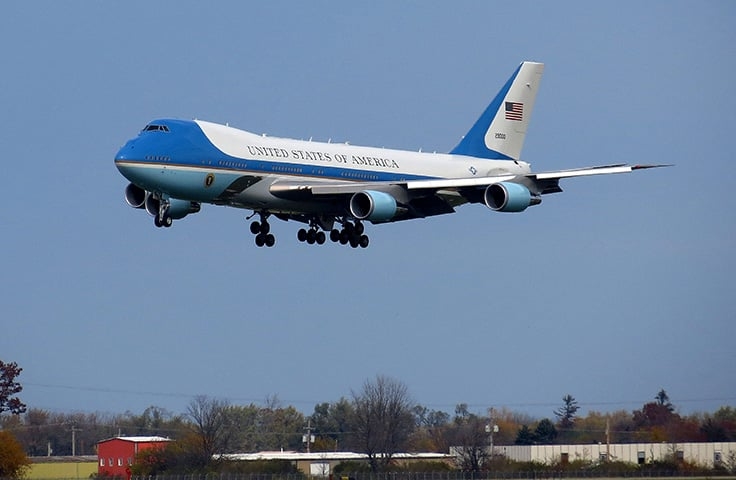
177 162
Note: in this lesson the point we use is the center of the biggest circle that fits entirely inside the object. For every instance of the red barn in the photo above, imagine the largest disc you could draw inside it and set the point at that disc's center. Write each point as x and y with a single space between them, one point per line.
116 455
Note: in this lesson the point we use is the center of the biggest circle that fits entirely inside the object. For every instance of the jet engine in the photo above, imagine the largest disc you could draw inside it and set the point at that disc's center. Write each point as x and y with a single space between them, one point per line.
135 196
509 197
182 208
372 205
177 208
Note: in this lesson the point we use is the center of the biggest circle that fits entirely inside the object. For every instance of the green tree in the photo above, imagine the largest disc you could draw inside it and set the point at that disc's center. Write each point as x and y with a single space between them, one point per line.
13 460
282 427
153 421
566 413
332 425
545 433
525 436
9 387
664 400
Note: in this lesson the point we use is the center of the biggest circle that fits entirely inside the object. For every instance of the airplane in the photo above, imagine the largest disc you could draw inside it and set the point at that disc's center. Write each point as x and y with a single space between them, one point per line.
174 166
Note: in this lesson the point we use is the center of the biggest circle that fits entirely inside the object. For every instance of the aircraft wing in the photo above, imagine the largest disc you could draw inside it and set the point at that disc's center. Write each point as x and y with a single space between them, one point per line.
439 196
542 178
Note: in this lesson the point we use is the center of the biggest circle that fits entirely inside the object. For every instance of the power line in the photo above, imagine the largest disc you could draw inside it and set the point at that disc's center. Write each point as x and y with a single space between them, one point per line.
450 407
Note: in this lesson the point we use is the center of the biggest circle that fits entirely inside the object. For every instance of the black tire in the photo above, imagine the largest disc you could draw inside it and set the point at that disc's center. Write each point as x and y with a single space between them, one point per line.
260 239
167 221
359 228
364 241
311 237
335 235
156 221
354 242
265 227
270 240
301 235
255 227
321 238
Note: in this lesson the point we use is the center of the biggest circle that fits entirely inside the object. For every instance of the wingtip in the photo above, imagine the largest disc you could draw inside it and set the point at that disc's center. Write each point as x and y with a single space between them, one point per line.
644 167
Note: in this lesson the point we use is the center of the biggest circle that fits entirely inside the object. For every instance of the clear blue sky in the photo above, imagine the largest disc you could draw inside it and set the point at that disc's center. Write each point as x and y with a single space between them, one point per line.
610 291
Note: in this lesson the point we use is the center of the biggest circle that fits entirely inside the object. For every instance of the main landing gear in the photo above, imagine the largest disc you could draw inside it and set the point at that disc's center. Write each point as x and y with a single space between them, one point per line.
162 218
351 234
262 231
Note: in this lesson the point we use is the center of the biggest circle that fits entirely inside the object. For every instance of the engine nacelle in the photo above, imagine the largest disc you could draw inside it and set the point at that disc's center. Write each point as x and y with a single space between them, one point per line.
135 196
509 197
177 208
182 208
152 205
372 205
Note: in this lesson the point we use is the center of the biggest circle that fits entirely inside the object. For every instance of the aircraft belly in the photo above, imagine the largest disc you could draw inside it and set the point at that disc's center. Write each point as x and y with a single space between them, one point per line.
259 197
182 183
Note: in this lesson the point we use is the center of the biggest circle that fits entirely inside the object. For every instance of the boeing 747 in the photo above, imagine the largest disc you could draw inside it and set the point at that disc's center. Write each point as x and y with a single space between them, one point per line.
334 189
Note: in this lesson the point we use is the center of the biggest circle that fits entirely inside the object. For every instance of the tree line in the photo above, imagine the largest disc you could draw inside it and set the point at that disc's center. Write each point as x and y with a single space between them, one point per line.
380 419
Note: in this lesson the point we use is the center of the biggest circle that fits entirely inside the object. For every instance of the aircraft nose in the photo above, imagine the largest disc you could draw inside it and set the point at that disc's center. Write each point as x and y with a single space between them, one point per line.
125 152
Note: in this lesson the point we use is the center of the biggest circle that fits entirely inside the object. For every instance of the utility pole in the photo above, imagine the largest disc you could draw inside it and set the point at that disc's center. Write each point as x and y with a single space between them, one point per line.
74 440
491 428
608 438
308 437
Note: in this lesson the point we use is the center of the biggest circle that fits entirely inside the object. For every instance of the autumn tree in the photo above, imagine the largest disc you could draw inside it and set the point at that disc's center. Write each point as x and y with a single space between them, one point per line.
653 419
210 425
430 434
468 434
13 460
720 426
383 419
10 387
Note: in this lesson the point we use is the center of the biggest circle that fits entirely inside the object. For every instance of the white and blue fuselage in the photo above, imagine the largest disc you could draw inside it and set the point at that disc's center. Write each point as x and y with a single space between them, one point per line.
176 165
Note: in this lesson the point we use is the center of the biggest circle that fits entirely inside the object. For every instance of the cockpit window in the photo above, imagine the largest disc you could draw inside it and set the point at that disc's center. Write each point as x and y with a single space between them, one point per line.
152 127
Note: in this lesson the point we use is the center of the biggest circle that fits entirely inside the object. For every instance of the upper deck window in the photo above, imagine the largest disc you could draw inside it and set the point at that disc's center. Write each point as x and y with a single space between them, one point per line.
152 127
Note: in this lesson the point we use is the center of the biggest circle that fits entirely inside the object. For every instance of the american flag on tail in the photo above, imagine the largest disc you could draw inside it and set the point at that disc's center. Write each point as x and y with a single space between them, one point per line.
514 111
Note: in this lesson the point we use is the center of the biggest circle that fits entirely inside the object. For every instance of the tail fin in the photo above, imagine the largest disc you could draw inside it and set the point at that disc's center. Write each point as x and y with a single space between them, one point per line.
499 132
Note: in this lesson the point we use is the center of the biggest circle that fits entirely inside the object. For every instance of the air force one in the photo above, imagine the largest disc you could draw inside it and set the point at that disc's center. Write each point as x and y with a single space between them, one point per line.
176 165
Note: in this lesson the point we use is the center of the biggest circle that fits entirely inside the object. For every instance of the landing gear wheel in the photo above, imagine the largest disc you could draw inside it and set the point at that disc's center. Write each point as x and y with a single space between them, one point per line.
364 241
354 242
260 239
156 221
335 235
265 227
270 240
359 228
311 237
255 227
167 221
301 235
320 238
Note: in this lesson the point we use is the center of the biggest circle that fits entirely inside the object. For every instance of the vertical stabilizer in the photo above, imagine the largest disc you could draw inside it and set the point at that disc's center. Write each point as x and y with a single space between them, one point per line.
499 132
